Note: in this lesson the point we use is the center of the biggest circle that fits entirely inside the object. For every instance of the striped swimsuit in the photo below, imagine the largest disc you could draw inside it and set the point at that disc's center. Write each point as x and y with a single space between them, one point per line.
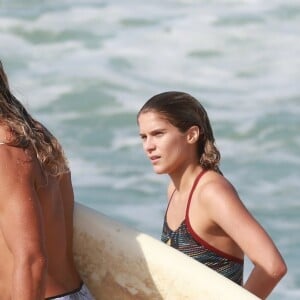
186 240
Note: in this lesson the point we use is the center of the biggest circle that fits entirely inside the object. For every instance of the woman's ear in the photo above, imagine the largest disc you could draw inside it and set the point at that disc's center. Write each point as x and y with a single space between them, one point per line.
193 134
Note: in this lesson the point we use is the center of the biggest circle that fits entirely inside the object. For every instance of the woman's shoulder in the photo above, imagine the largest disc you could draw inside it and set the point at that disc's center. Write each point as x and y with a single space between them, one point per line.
214 186
213 179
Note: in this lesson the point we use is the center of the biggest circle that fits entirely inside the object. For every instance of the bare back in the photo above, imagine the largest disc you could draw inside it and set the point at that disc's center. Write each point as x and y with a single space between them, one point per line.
36 221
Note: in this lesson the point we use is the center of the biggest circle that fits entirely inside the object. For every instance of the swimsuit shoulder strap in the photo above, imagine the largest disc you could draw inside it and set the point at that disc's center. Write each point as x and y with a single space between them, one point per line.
192 191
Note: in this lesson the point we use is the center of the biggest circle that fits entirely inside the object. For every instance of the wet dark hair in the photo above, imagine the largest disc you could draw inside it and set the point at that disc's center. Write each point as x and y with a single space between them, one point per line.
184 111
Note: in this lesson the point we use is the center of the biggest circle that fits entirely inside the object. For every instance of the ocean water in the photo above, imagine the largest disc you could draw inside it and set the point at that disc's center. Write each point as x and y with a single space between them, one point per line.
85 68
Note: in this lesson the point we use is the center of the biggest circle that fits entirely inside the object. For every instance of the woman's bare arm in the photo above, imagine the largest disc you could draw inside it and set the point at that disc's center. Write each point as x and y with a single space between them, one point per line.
227 210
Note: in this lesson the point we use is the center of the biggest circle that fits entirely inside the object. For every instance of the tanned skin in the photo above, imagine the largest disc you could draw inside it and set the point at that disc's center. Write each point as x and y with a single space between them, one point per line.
36 225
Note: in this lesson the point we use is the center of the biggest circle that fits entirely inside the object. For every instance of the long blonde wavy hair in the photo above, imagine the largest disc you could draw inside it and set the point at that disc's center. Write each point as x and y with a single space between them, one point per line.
28 133
184 111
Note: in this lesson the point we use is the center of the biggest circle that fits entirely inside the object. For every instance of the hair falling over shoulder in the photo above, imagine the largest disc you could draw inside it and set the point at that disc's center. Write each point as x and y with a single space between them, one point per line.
25 132
184 111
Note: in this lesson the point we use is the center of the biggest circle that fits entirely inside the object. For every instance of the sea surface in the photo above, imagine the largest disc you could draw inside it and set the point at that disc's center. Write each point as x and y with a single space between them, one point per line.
84 68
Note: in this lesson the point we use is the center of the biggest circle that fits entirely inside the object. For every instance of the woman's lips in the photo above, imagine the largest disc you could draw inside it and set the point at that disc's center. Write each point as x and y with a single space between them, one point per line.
154 158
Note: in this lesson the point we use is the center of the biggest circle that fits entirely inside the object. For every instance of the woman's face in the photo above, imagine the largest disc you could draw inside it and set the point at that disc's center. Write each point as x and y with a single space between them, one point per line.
166 147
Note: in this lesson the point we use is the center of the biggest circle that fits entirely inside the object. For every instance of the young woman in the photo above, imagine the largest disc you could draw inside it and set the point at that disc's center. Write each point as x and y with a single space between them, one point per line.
36 209
205 217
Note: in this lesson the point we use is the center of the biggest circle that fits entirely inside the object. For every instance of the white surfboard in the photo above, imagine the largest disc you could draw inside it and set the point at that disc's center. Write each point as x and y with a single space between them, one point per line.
120 263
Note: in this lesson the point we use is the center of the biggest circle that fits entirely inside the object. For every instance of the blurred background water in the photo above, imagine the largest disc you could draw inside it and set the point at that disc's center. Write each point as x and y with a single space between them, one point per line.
85 68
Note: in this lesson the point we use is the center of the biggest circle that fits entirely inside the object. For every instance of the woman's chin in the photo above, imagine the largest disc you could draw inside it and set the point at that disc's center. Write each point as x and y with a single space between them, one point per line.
159 170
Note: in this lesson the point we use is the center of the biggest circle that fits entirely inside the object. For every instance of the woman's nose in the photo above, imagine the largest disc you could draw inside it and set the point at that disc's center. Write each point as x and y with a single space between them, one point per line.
149 144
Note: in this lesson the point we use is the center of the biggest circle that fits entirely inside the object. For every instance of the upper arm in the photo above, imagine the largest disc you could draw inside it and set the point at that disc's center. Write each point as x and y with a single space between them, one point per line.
20 213
229 213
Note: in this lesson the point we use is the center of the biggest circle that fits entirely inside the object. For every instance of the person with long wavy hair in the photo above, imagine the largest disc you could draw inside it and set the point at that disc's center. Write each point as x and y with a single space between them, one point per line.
36 209
205 217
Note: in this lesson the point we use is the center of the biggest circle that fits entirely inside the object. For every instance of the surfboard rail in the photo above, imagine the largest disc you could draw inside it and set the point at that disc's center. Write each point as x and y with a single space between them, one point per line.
121 263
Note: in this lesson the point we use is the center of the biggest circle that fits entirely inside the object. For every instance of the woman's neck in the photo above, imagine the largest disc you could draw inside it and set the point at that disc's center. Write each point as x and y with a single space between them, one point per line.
183 179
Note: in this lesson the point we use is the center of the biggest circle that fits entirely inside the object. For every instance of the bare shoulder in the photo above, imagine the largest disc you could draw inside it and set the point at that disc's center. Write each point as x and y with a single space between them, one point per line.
213 181
215 189
15 159
17 170
218 197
